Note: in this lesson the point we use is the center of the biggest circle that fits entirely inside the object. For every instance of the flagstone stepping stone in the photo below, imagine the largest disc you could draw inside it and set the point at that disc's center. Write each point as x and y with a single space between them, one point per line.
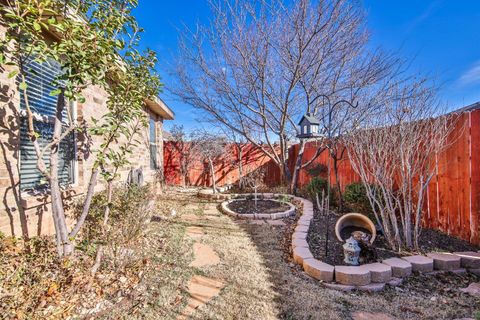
275 222
444 261
355 276
301 228
203 255
469 259
362 315
190 217
194 232
318 269
201 290
379 272
299 235
400 268
420 263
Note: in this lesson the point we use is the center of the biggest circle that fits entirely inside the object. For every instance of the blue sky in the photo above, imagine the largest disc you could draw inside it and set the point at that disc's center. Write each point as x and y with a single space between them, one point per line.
441 36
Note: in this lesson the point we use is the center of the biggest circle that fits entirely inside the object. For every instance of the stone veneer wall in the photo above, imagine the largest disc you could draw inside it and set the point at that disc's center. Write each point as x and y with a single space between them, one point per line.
22 214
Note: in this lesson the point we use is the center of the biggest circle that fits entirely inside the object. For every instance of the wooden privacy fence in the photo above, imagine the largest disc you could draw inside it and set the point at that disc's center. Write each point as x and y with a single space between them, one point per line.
453 195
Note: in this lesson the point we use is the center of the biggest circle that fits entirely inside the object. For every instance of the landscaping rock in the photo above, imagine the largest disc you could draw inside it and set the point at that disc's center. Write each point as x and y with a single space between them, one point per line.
460 271
379 272
420 263
372 287
361 315
395 282
473 289
469 259
300 254
445 261
339 287
318 269
475 272
400 267
349 275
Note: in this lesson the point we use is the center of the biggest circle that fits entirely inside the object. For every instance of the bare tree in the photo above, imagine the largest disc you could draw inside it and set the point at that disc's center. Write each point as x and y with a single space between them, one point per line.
211 148
394 154
261 65
187 148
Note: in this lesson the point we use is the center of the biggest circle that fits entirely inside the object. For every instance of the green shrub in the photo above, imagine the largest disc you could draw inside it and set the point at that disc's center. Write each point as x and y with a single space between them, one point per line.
317 185
355 196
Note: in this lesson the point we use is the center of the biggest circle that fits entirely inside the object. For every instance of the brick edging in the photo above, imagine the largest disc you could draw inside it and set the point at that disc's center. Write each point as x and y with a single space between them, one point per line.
257 216
373 276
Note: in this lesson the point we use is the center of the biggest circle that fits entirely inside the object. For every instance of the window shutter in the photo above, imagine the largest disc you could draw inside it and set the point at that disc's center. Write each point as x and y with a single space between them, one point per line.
39 78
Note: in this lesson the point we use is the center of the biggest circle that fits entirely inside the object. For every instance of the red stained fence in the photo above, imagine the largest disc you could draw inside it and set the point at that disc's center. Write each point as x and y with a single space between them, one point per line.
453 196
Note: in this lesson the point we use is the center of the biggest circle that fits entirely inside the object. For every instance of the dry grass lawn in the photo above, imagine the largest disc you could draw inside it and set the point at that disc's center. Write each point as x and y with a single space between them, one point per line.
261 282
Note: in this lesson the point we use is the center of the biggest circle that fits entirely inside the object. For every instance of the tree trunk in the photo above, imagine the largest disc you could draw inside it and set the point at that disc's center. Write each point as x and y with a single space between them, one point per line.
212 172
298 166
337 183
86 203
64 246
240 167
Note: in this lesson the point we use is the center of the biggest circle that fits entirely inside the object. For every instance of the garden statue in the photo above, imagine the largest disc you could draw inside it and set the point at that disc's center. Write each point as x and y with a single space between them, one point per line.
351 251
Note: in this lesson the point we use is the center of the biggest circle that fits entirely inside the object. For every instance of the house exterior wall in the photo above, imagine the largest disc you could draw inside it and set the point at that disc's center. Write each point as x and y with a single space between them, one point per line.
24 214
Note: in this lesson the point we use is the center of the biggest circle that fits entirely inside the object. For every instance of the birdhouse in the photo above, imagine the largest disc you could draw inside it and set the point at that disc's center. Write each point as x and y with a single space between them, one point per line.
309 127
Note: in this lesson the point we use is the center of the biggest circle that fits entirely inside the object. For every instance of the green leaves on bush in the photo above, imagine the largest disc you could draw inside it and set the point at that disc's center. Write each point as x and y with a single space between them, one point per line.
317 185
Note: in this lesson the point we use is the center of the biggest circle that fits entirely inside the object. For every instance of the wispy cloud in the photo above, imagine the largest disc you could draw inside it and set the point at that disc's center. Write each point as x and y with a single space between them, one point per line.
425 15
472 75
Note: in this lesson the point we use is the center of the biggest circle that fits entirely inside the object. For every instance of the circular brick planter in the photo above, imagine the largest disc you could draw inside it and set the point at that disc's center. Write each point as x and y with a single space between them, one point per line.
256 216
373 276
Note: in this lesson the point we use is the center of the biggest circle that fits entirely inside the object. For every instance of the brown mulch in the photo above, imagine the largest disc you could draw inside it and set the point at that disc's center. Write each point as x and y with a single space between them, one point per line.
326 247
262 206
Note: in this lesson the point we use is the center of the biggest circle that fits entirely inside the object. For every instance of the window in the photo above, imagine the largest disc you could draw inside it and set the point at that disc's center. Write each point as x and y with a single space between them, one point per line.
314 128
153 144
39 77
304 129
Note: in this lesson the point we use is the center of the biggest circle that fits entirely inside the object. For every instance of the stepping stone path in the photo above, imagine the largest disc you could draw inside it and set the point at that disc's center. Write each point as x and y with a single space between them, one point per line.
203 256
201 289
194 232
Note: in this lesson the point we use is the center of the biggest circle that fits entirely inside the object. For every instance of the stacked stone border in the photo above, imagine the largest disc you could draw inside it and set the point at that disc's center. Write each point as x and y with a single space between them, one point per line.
373 276
258 216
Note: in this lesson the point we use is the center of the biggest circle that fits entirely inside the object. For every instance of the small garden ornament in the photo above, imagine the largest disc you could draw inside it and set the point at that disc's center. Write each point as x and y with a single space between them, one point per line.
351 251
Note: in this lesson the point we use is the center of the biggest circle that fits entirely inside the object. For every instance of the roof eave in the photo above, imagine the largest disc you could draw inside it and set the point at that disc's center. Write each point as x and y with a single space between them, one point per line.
160 108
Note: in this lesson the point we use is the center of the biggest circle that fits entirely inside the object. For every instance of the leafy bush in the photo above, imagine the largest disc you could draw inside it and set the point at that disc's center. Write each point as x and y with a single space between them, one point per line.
130 212
355 196
317 185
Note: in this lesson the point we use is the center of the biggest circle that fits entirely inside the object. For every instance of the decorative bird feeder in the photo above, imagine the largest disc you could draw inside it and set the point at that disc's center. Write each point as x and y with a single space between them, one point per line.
351 250
309 127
